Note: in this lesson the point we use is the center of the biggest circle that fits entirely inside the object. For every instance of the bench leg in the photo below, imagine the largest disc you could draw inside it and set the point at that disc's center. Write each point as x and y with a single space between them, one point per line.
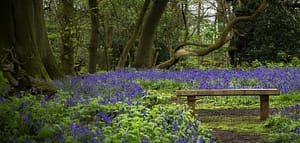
264 107
191 103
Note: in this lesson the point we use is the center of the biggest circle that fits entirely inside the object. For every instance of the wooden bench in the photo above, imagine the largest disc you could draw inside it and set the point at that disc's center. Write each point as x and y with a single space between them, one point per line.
263 93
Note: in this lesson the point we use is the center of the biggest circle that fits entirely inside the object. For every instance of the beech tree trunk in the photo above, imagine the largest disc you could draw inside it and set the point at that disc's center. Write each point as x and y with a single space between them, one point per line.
129 44
144 52
108 29
25 54
94 41
67 36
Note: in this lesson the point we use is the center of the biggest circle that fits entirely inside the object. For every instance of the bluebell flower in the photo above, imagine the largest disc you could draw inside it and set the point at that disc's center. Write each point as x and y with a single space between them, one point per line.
43 102
27 140
144 140
175 126
2 99
26 118
106 118
194 140
201 140
294 116
70 102
22 105
73 126
95 140
143 111
129 102
138 103
297 130
190 124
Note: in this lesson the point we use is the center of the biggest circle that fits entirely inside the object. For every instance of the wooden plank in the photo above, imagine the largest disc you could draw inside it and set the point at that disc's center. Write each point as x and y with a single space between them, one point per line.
227 92
264 107
192 103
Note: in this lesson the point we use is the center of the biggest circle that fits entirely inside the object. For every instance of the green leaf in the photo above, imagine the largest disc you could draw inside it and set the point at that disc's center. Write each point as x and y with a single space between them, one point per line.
69 139
46 131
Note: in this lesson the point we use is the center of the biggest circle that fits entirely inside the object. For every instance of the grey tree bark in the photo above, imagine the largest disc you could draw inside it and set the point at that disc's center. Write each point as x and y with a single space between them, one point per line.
144 52
130 42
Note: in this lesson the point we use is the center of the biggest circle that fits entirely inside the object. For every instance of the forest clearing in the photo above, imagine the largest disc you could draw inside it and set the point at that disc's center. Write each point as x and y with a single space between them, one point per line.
141 106
150 71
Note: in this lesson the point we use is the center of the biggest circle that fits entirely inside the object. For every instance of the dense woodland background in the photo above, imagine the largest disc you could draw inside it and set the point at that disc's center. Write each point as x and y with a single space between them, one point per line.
52 38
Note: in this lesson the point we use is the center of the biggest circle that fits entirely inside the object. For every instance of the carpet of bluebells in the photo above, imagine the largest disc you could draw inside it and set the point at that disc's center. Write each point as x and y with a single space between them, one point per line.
128 106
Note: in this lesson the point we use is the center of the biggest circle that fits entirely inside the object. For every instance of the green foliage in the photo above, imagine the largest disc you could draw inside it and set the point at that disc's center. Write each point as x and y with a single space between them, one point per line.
271 37
244 82
285 125
187 63
278 124
229 102
283 129
47 131
154 122
165 85
3 83
295 62
152 99
32 118
287 99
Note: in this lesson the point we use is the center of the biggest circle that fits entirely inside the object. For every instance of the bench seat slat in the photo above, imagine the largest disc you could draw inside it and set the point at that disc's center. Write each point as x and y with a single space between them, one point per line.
226 92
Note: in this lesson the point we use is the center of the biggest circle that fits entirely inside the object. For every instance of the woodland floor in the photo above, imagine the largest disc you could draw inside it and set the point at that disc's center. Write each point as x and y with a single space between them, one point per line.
236 116
235 125
224 136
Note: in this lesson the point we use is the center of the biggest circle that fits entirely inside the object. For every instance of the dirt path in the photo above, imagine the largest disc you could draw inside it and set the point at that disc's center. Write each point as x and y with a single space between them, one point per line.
234 112
238 114
229 136
224 136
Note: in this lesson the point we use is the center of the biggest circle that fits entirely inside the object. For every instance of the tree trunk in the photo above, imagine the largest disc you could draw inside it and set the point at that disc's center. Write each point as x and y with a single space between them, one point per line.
221 13
185 11
24 50
67 36
94 41
46 52
144 52
129 44
107 42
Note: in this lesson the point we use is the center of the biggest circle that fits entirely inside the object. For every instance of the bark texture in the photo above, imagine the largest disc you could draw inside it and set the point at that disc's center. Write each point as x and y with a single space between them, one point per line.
24 49
67 37
130 42
94 41
144 52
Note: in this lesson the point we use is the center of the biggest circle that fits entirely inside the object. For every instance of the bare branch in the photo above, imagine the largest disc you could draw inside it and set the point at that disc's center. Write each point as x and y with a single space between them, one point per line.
190 44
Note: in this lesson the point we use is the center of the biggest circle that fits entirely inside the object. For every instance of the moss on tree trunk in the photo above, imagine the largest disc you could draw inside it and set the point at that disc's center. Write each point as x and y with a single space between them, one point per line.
24 44
67 37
